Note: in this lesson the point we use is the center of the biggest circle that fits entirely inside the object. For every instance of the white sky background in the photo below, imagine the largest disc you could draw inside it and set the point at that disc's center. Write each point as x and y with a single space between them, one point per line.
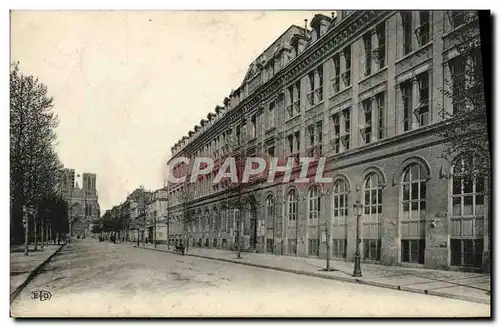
128 84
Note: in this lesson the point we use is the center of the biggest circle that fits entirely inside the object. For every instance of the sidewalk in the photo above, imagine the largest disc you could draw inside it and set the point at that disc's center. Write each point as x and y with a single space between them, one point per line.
24 268
451 284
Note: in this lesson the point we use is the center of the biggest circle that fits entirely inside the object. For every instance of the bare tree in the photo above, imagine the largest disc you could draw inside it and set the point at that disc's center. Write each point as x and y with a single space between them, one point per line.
466 130
34 165
237 195
186 196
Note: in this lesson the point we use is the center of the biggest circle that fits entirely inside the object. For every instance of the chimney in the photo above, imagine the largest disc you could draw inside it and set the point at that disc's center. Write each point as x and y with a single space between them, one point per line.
305 27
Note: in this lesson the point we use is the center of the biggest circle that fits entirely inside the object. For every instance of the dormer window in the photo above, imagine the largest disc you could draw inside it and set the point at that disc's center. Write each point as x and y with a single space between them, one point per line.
317 31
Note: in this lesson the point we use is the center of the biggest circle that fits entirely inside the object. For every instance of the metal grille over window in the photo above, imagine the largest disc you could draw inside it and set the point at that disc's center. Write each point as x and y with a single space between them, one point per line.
314 205
467 214
292 208
422 31
366 128
413 189
406 93
270 212
340 213
422 110
406 17
371 218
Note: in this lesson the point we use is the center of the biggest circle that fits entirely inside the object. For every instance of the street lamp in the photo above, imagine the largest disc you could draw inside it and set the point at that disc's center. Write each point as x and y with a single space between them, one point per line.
326 194
358 207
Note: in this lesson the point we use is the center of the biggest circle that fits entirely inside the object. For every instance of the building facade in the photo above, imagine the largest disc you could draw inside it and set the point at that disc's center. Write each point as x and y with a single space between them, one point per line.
83 203
156 217
364 90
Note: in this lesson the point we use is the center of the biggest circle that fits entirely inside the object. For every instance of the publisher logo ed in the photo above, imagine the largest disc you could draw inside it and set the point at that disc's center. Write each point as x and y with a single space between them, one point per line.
41 295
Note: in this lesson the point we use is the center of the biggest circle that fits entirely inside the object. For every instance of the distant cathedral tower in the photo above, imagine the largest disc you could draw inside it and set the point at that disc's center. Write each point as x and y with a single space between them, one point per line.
83 203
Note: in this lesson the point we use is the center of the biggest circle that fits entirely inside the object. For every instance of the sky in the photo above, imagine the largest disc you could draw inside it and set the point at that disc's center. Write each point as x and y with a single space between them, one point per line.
127 85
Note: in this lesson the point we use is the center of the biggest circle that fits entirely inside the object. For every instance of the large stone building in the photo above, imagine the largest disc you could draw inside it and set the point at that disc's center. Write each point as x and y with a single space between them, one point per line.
83 203
132 215
363 89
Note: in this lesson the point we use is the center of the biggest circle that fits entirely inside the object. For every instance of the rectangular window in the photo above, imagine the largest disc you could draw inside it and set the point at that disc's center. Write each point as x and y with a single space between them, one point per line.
339 247
422 111
290 144
367 65
289 107
319 87
380 51
270 151
459 82
380 99
406 94
270 115
423 30
346 76
413 251
313 248
269 245
366 129
292 246
407 31
310 131
458 18
336 74
346 137
315 139
336 133
297 142
372 249
238 134
466 252
296 104
253 126
319 135
310 94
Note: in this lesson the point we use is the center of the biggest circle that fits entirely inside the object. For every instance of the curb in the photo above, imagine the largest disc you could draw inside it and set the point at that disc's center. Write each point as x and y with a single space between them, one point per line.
33 273
338 278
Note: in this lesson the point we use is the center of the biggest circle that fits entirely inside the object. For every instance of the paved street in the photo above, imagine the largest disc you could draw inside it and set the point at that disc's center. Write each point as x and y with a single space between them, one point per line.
88 278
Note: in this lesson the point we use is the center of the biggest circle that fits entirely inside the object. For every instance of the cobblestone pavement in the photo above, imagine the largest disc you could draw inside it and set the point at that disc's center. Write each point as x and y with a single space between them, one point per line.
88 278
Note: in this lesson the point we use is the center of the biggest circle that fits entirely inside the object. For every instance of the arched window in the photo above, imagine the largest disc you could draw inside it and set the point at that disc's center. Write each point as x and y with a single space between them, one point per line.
314 204
413 188
340 212
467 214
292 220
292 207
270 212
223 215
371 218
270 223
314 209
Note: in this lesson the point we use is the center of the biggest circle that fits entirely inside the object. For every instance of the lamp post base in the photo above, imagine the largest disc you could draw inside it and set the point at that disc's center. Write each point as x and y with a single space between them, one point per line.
357 267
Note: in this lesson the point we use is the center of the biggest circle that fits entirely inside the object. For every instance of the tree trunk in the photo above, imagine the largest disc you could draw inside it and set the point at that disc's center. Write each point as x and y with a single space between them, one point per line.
327 246
168 234
154 233
26 237
47 234
42 234
238 235
35 233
